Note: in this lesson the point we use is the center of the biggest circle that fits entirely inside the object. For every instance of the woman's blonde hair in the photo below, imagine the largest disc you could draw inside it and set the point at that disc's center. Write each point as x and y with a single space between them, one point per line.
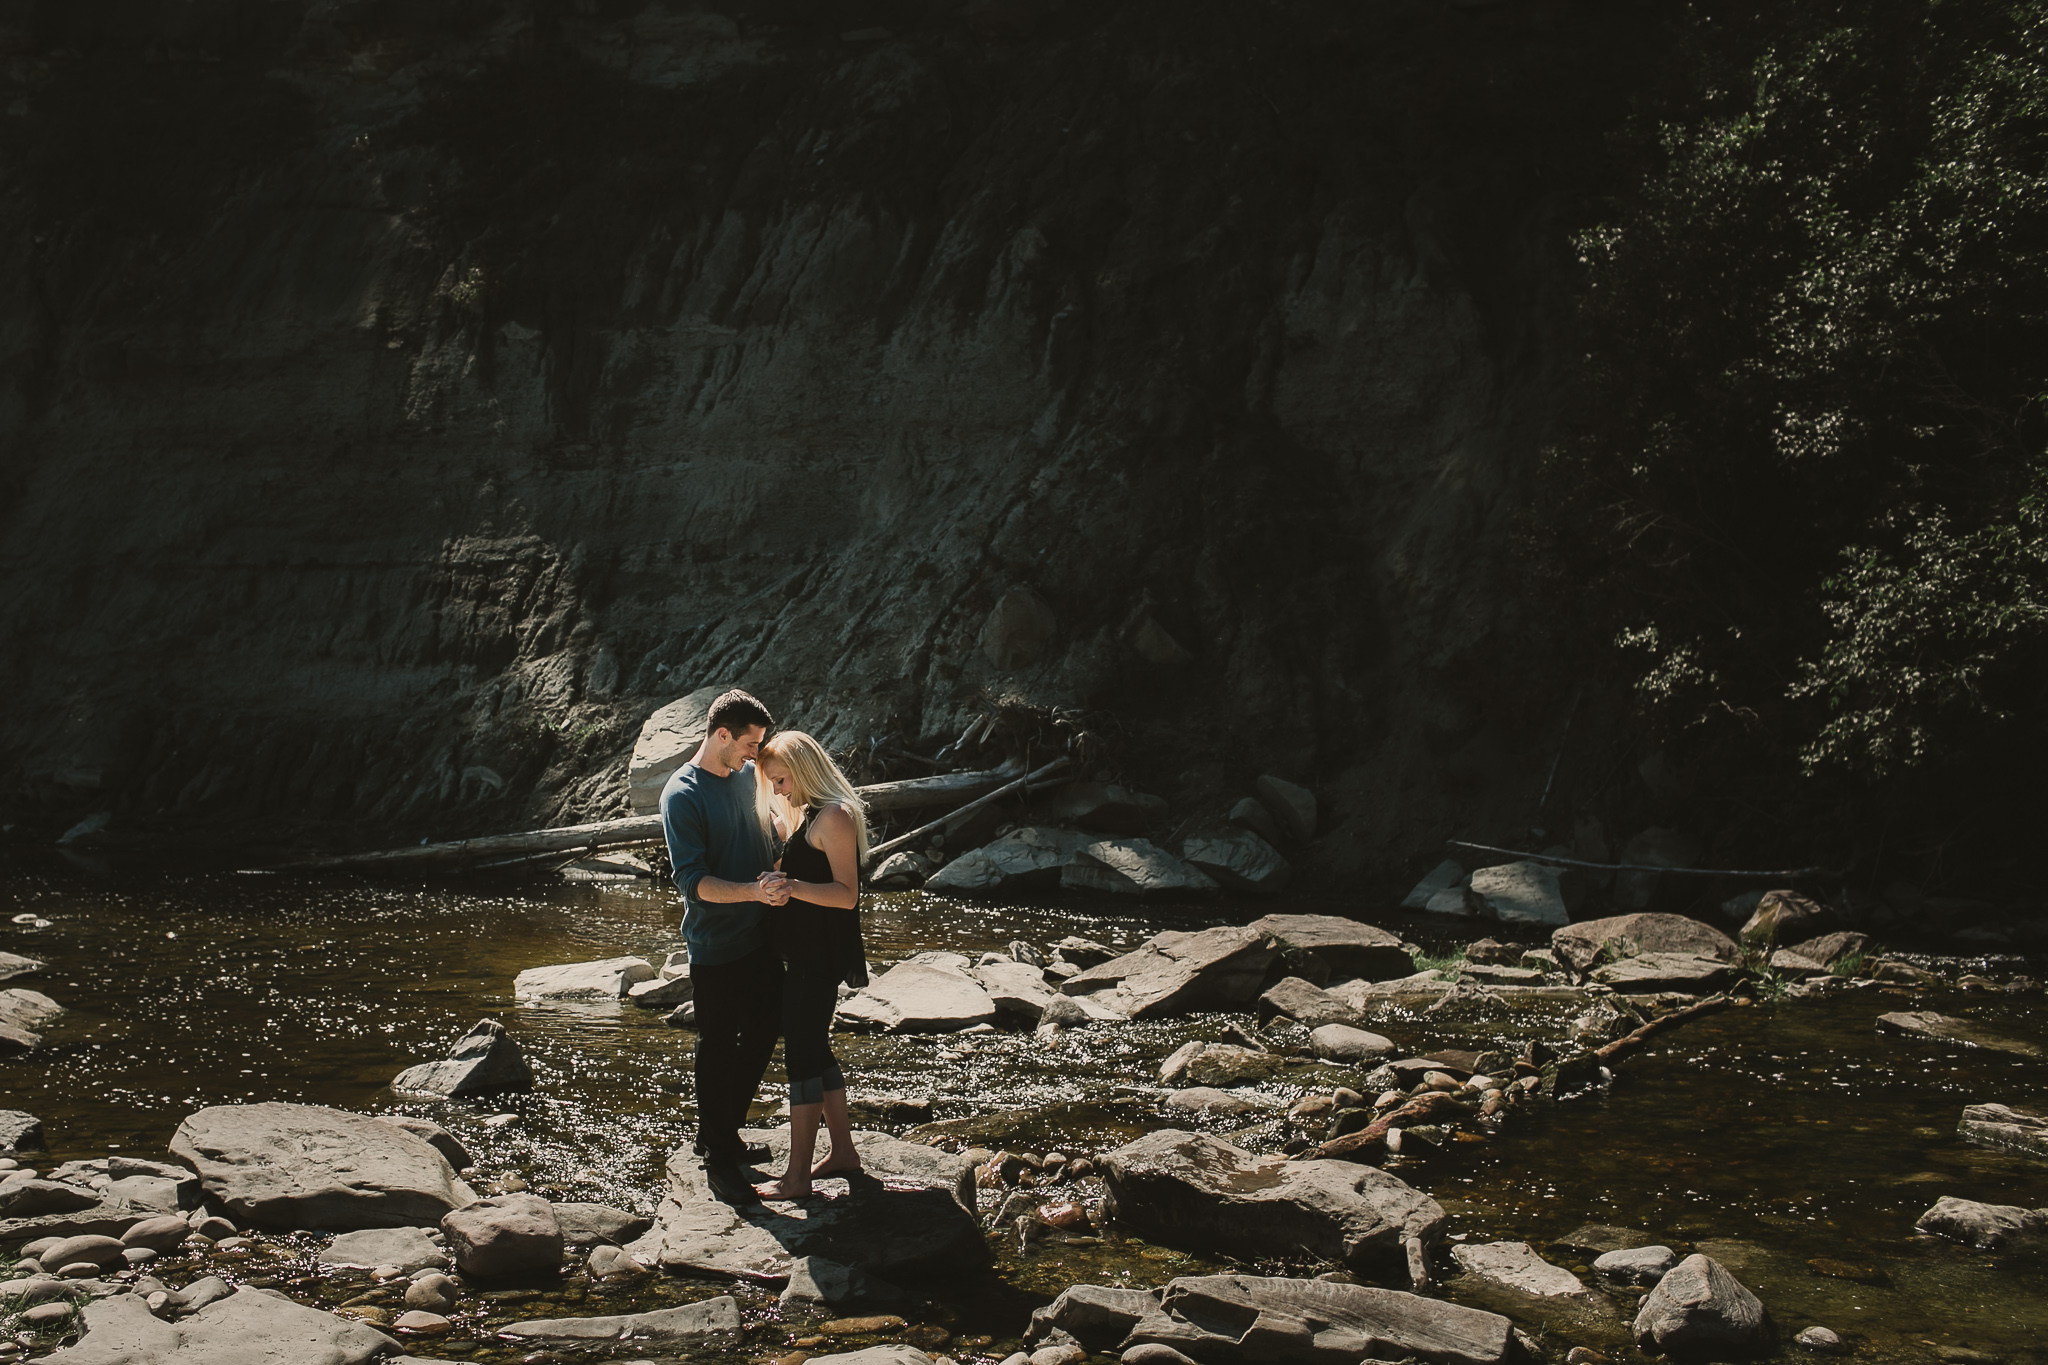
814 780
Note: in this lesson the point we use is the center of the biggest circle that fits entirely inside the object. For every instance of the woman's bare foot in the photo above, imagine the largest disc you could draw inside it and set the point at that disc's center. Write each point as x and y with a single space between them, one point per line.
786 1187
833 1164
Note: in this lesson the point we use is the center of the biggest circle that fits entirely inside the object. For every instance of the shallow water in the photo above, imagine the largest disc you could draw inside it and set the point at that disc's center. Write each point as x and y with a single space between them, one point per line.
1768 1136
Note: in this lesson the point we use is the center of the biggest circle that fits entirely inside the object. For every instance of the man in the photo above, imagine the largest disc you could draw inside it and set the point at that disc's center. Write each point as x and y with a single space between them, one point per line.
723 853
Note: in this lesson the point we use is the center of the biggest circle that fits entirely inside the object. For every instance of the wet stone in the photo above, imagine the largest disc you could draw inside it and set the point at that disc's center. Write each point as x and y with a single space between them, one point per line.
1821 1341
1636 1265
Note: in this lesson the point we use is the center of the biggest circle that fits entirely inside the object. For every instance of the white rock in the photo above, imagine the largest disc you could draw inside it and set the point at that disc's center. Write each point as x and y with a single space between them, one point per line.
1520 893
1515 1265
920 997
608 979
667 740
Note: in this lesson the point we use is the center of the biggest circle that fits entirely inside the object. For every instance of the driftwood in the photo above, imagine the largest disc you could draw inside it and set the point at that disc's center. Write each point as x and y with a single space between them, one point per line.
1435 1106
502 850
880 850
1629 1042
1789 874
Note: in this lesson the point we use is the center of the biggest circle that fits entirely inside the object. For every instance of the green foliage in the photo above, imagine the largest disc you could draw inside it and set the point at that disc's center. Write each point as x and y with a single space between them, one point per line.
1451 963
1801 469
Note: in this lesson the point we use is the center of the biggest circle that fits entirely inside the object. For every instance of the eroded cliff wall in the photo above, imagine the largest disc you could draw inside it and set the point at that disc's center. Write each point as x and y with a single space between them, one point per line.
401 400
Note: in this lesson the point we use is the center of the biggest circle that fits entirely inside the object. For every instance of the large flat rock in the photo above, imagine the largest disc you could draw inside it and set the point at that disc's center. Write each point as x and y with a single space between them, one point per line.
1248 1319
291 1166
606 979
927 994
1665 972
666 1326
1582 946
14 964
249 1327
1363 951
1942 1028
2013 1130
1516 1266
1174 972
1201 1193
908 1215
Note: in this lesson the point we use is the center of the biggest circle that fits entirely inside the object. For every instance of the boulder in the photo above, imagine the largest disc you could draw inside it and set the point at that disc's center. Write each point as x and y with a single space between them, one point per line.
1519 893
1175 972
1019 631
1293 806
89 1250
665 992
510 1234
1989 1227
1454 900
664 1327
1445 876
1239 859
1097 1317
1654 847
1833 950
1307 1005
409 1249
484 1061
19 1132
1665 972
899 870
439 1138
1083 952
1023 858
291 1166
14 964
1132 867
1198 1192
585 1225
33 1198
1251 813
1201 1063
1016 989
608 979
1352 950
247 1327
1635 1265
1787 917
911 1214
1941 1028
1251 1320
921 995
1342 1043
160 1233
1581 947
1516 1266
2013 1130
1699 1309
667 740
101 1220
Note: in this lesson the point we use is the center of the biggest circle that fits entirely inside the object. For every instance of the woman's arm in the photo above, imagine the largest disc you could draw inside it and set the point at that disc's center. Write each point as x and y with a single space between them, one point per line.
835 841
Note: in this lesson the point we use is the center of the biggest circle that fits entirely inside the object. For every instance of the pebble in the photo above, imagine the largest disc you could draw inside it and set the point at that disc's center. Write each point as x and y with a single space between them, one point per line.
1820 1339
1311 1106
1439 1080
423 1324
138 1255
1064 1215
432 1291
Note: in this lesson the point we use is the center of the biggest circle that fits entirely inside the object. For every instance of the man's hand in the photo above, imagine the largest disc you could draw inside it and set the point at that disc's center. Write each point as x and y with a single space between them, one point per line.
772 888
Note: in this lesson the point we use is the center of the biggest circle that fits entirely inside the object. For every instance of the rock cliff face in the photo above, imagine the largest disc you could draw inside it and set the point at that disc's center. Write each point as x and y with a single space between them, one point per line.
402 400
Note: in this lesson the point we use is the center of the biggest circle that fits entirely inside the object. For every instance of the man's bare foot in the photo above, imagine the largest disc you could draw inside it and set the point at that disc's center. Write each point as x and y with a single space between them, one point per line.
787 1187
835 1165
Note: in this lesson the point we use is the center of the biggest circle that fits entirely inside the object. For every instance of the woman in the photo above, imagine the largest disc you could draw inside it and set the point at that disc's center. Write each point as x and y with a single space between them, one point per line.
818 935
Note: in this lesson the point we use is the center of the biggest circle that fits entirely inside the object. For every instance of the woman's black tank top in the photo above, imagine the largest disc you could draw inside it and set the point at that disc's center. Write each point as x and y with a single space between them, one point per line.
807 934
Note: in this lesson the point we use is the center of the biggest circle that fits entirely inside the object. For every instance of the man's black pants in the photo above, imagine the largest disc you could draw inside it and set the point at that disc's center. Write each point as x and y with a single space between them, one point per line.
739 1015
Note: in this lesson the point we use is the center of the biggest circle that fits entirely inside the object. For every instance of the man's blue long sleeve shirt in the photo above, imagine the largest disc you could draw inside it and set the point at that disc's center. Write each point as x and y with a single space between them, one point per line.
713 830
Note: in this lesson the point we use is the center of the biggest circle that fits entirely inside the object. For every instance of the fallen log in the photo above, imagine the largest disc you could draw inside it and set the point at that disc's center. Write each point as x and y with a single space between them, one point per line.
900 840
1437 1106
637 830
1629 1042
1783 875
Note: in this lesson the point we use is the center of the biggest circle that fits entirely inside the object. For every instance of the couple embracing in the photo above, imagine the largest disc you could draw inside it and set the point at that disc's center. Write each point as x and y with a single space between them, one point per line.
766 837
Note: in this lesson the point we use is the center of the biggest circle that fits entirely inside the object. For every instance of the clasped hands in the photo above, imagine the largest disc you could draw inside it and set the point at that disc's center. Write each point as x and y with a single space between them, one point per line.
773 888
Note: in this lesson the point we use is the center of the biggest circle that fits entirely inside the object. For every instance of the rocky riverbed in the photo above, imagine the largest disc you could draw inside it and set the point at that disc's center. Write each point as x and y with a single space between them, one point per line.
1179 1158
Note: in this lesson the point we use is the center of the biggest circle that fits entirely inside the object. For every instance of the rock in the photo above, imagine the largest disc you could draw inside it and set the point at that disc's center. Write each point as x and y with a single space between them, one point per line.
1989 1227
99 1252
23 1014
1191 1190
1786 917
1207 1099
1024 858
1699 1309
920 996
19 1132
1342 1043
206 1290
484 1061
1218 1064
32 1198
1832 950
246 1327
408 1249
1786 962
827 1283
1019 631
664 992
1095 1317
1239 859
911 1215
1492 953
433 1293
157 1234
1132 867
1501 976
1454 900
610 1262
1821 1341
1293 806
1016 989
1250 813
1103 807
44 1316
1515 1265
292 1166
1636 1265
1083 952
1174 972
665 1326
1247 1318
1581 947
891 1355
1654 847
1154 1353
439 1138
608 979
1998 1125
1665 972
14 964
511 1234
1445 876
419 1322
585 1225
1352 950
1305 1004
1519 893
1941 1028
1595 1239
899 870
667 740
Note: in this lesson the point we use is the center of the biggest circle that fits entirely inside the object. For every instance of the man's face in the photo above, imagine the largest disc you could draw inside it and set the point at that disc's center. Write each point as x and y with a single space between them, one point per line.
742 748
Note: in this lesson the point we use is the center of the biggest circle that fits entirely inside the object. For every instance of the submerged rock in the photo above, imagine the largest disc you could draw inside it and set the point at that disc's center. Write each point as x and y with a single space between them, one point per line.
1636 1265
2013 1130
1699 1309
1990 1227
247 1327
484 1061
290 1166
1581 947
664 1326
1516 1266
1203 1063
1175 972
1941 1028
1195 1191
1207 1099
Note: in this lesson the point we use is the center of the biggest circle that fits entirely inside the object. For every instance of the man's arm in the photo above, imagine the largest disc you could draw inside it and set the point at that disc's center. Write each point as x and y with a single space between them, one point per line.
772 888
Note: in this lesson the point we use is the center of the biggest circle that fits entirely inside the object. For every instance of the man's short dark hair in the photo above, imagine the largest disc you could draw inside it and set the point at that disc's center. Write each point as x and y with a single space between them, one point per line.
735 712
